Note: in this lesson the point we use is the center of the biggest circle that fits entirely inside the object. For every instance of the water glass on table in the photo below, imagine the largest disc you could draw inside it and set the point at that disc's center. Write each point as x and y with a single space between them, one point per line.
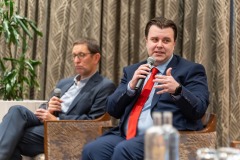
228 153
206 154
223 153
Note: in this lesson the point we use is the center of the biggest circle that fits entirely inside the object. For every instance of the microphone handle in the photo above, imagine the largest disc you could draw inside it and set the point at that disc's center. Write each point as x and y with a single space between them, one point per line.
139 83
56 113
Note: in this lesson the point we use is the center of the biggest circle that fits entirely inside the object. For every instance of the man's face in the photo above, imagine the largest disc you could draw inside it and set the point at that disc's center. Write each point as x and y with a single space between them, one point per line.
85 63
160 43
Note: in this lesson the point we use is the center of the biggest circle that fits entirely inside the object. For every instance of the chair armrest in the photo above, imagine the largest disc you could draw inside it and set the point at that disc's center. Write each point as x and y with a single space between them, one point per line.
65 139
209 120
235 144
190 141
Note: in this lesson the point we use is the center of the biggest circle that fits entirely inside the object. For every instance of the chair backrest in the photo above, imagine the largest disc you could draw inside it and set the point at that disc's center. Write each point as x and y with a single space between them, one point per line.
209 121
191 141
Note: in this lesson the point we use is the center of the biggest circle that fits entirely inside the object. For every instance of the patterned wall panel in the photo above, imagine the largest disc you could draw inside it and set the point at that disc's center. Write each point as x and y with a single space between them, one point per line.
58 42
234 120
108 39
221 83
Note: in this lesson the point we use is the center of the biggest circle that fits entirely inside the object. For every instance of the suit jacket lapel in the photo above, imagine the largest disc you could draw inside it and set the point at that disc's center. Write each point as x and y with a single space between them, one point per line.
155 98
66 87
90 84
173 63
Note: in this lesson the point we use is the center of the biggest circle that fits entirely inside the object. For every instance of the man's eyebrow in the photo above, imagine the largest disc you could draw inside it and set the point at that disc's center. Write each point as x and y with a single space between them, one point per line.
166 38
79 52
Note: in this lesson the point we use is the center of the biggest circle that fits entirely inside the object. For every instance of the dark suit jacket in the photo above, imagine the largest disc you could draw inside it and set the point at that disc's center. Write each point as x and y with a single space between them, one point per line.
187 110
90 103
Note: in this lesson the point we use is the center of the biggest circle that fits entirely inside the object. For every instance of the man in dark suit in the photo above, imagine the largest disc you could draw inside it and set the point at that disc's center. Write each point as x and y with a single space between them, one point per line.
180 87
82 97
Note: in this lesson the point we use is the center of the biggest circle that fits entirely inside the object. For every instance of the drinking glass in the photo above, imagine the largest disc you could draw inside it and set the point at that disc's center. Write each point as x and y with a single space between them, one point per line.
206 154
228 153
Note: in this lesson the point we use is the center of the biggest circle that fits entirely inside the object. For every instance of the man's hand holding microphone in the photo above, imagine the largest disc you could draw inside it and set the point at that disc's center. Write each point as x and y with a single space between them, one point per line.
53 109
141 73
166 83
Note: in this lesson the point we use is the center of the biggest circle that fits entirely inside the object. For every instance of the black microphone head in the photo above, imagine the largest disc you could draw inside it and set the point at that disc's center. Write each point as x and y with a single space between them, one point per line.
151 60
57 92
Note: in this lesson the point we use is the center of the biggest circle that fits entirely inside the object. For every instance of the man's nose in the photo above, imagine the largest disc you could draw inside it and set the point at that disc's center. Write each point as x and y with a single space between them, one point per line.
159 44
76 59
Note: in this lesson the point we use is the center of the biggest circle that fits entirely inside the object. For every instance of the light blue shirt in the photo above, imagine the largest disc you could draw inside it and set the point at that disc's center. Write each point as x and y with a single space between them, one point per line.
72 92
145 120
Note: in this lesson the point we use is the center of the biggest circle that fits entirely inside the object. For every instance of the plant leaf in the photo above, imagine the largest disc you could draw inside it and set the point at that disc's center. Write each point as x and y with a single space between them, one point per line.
33 26
24 26
6 30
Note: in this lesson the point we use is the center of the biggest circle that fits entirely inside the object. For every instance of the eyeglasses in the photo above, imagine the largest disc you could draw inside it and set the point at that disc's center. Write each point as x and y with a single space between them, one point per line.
79 55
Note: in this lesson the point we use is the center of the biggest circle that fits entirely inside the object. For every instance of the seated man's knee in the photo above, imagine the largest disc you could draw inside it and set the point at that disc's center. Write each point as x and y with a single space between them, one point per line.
18 111
122 149
16 108
87 149
128 150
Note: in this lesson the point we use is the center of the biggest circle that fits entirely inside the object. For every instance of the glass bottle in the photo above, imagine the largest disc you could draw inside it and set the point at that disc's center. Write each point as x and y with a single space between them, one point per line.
154 143
171 136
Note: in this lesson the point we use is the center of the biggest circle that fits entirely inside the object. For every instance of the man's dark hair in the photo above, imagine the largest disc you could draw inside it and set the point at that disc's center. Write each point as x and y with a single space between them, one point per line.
161 22
92 44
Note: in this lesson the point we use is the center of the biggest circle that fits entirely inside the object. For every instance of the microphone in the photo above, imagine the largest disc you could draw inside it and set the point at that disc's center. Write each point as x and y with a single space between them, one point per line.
150 62
57 93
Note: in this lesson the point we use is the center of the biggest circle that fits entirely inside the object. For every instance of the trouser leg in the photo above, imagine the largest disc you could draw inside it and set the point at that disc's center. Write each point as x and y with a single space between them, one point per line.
113 147
102 148
12 129
32 142
132 149
16 155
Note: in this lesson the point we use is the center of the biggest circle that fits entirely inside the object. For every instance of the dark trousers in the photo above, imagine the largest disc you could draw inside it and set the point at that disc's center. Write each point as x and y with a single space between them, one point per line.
21 133
113 147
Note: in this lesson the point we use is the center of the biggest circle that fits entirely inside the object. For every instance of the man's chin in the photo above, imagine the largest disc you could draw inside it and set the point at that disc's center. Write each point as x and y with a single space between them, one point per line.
161 60
79 70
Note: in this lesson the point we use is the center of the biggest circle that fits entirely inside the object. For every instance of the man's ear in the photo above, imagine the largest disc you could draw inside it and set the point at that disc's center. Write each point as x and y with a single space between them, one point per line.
97 57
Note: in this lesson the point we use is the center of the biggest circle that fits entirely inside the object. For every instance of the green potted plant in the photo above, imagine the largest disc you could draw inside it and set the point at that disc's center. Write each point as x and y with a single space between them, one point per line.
16 70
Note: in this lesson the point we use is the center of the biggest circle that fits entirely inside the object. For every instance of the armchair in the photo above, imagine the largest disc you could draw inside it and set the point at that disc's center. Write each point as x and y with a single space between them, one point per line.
65 139
190 141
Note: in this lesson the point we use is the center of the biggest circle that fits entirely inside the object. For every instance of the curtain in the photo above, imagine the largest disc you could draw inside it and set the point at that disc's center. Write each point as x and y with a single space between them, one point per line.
208 33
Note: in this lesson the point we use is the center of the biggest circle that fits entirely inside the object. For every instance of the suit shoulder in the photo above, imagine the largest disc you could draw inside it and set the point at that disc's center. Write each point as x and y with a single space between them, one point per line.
188 63
106 84
107 80
66 80
134 66
109 83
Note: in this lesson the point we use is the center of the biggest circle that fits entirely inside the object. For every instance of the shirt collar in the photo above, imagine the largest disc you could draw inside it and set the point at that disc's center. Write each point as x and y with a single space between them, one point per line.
163 66
85 80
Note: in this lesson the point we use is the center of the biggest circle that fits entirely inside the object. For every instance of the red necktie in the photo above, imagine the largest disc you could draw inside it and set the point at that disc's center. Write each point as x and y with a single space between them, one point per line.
135 113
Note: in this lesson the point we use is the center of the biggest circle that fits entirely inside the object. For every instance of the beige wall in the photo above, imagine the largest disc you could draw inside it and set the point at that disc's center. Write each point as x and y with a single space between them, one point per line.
30 104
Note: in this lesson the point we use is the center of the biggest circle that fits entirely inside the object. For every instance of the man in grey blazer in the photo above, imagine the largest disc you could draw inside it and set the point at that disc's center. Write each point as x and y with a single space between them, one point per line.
82 97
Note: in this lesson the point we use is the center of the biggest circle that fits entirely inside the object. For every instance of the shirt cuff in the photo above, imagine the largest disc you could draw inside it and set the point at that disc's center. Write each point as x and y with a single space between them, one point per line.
130 92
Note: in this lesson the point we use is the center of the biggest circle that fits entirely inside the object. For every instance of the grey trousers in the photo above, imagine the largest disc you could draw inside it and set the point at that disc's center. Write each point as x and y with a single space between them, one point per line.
21 133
